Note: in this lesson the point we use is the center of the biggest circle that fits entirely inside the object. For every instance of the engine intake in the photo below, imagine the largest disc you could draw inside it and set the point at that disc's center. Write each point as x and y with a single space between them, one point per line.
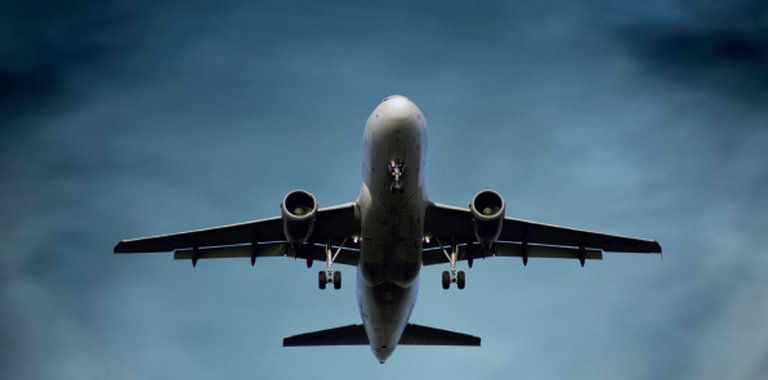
487 209
299 210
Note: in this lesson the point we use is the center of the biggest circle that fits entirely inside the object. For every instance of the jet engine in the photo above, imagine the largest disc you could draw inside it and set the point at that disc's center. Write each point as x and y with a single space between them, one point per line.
299 210
487 209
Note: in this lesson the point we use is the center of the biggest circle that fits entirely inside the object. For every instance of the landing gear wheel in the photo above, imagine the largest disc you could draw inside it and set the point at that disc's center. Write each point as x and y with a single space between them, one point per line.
322 280
446 279
337 280
461 280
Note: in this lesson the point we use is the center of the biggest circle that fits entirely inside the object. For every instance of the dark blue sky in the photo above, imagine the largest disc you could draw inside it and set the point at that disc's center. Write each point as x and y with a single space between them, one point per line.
121 120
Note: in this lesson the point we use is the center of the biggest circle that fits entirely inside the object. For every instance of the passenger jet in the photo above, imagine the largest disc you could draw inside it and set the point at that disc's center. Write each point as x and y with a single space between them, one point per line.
389 233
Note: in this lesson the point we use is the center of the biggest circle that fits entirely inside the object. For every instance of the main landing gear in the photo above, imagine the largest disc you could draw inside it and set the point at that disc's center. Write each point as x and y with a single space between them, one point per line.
454 276
324 279
326 276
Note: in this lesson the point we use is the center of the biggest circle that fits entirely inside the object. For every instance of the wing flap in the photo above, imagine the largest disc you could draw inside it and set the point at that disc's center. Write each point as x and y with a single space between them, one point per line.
269 249
511 249
346 256
516 249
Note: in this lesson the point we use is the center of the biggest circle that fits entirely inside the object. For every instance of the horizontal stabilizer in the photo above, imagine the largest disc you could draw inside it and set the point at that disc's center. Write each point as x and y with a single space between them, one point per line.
430 336
352 335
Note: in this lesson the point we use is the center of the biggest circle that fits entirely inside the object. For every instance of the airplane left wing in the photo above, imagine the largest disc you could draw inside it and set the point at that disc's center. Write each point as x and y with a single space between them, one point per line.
521 238
256 238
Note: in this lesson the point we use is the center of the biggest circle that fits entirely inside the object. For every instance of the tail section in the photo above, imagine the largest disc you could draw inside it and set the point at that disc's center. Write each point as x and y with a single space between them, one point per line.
352 335
429 336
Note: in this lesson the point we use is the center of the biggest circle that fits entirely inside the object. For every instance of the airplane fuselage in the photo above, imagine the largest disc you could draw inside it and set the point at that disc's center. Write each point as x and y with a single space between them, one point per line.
392 204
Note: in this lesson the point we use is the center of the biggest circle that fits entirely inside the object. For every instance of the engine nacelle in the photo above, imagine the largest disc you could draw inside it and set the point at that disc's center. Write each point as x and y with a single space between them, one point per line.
487 209
299 210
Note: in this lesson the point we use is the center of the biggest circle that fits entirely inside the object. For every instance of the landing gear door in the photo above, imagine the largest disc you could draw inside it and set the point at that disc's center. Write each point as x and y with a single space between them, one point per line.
397 150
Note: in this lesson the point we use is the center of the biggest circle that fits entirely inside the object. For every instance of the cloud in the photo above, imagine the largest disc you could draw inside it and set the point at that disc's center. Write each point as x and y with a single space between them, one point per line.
136 119
46 43
721 47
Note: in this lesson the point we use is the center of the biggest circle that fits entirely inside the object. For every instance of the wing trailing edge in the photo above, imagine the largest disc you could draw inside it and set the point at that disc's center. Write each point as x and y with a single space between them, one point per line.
346 256
510 249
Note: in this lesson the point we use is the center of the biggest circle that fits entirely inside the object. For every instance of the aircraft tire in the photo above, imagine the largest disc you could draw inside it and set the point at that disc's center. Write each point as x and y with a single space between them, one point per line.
337 280
446 279
461 279
322 280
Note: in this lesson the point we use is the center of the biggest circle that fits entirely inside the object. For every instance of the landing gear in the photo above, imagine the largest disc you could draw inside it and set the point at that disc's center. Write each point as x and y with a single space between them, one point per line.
458 277
322 280
396 170
453 276
324 277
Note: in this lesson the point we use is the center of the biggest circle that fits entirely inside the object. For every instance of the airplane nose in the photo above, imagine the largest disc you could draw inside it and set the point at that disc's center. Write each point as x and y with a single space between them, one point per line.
398 108
395 113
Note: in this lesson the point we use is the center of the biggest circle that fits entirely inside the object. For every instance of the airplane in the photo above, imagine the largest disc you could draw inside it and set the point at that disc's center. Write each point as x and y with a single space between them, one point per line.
389 233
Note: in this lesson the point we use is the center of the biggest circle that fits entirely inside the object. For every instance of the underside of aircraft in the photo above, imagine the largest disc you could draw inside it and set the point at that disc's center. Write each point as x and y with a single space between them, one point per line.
389 233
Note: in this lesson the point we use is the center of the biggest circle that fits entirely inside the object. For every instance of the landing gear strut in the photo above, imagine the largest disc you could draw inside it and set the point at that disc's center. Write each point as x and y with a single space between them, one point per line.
396 170
326 276
454 276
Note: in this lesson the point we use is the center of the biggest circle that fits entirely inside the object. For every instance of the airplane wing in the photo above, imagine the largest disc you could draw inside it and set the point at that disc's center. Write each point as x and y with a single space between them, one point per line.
256 238
446 224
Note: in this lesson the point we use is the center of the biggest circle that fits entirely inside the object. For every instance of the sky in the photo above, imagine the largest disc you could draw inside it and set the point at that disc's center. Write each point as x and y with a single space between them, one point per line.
129 119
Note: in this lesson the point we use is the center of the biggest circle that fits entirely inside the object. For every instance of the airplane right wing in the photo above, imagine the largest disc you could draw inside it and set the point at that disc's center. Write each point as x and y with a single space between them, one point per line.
257 238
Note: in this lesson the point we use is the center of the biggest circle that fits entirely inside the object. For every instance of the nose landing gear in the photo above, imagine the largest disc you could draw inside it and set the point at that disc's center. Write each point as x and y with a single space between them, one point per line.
330 276
457 277
396 169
